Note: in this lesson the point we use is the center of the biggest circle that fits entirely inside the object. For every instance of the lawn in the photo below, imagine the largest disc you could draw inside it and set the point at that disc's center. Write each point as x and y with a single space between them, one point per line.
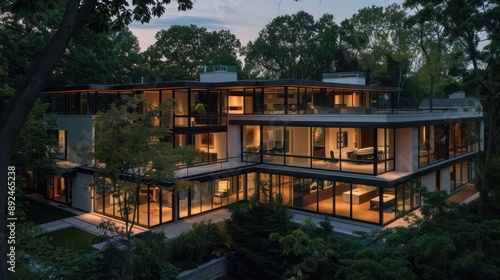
41 213
71 238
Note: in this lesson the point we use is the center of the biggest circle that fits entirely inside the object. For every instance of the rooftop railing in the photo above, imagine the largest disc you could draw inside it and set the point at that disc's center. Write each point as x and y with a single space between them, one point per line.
218 68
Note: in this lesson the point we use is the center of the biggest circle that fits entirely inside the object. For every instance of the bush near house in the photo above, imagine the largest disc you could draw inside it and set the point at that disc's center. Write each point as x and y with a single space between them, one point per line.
203 242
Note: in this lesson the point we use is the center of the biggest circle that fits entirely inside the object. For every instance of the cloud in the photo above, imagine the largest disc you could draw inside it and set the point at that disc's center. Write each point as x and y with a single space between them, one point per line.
165 23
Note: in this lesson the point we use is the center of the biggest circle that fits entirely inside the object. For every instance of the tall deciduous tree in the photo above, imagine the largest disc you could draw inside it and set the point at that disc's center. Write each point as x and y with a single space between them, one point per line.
463 24
372 23
186 48
294 47
129 153
428 19
112 57
76 14
446 242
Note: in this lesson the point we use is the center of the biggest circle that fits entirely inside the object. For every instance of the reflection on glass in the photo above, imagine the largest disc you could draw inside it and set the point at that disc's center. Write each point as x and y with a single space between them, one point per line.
387 204
364 200
166 205
207 194
342 199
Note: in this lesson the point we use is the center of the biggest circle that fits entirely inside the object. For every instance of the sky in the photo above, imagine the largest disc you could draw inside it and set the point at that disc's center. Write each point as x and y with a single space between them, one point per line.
246 18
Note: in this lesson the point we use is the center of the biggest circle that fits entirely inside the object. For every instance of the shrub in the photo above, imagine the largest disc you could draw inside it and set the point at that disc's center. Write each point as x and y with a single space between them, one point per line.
204 241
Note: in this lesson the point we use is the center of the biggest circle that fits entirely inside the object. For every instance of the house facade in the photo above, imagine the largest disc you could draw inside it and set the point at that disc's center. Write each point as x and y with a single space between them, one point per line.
338 149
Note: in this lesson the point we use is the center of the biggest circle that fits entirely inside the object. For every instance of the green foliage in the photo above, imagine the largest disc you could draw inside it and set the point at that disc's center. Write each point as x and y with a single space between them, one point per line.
312 254
202 242
293 47
186 48
128 145
199 108
149 259
447 242
253 255
112 58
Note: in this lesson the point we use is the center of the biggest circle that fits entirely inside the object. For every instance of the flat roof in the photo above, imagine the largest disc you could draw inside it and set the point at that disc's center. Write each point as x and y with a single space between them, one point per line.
219 85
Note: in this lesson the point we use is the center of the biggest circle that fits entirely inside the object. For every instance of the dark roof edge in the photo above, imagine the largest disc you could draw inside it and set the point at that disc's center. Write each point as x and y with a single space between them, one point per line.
241 83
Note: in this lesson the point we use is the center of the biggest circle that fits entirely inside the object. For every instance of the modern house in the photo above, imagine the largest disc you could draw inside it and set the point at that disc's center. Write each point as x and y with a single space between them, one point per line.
340 149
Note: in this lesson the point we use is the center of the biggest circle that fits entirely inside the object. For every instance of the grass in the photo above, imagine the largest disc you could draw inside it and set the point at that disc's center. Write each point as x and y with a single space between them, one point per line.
71 238
41 213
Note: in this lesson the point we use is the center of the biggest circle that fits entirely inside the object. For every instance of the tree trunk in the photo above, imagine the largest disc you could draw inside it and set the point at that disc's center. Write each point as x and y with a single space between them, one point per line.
490 149
24 98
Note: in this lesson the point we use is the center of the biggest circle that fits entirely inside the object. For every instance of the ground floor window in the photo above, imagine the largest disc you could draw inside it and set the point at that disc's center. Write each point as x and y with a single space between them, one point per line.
365 203
354 201
158 205
58 188
460 174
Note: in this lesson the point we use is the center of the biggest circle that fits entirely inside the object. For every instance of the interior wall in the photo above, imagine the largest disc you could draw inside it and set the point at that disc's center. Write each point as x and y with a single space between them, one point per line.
235 105
406 149
220 144
301 144
234 146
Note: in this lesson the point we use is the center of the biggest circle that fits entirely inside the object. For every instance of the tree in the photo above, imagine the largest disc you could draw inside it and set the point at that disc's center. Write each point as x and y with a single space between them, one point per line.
76 14
129 153
310 255
448 241
293 47
112 58
254 255
373 24
428 20
462 25
187 48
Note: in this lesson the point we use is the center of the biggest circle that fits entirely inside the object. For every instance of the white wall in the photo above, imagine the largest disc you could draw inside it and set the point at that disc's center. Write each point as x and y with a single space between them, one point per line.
331 142
301 142
406 149
429 181
81 133
220 144
81 196
218 77
347 80
445 179
234 141
235 101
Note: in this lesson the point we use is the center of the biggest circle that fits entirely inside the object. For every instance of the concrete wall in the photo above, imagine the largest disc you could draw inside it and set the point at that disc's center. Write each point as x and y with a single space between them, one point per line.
346 80
213 269
81 195
233 141
218 76
406 149
81 133
220 144
429 181
445 179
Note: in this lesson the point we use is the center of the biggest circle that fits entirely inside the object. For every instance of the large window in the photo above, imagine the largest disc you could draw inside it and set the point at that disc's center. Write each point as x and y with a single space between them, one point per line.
359 150
440 142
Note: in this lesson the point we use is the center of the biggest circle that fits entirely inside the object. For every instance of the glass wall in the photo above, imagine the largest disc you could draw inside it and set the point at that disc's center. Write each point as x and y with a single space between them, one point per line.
460 174
440 142
366 203
354 201
155 205
58 188
331 148
159 205
208 101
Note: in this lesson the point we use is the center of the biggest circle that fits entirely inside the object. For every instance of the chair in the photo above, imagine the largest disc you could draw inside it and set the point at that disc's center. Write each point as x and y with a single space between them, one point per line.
332 158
